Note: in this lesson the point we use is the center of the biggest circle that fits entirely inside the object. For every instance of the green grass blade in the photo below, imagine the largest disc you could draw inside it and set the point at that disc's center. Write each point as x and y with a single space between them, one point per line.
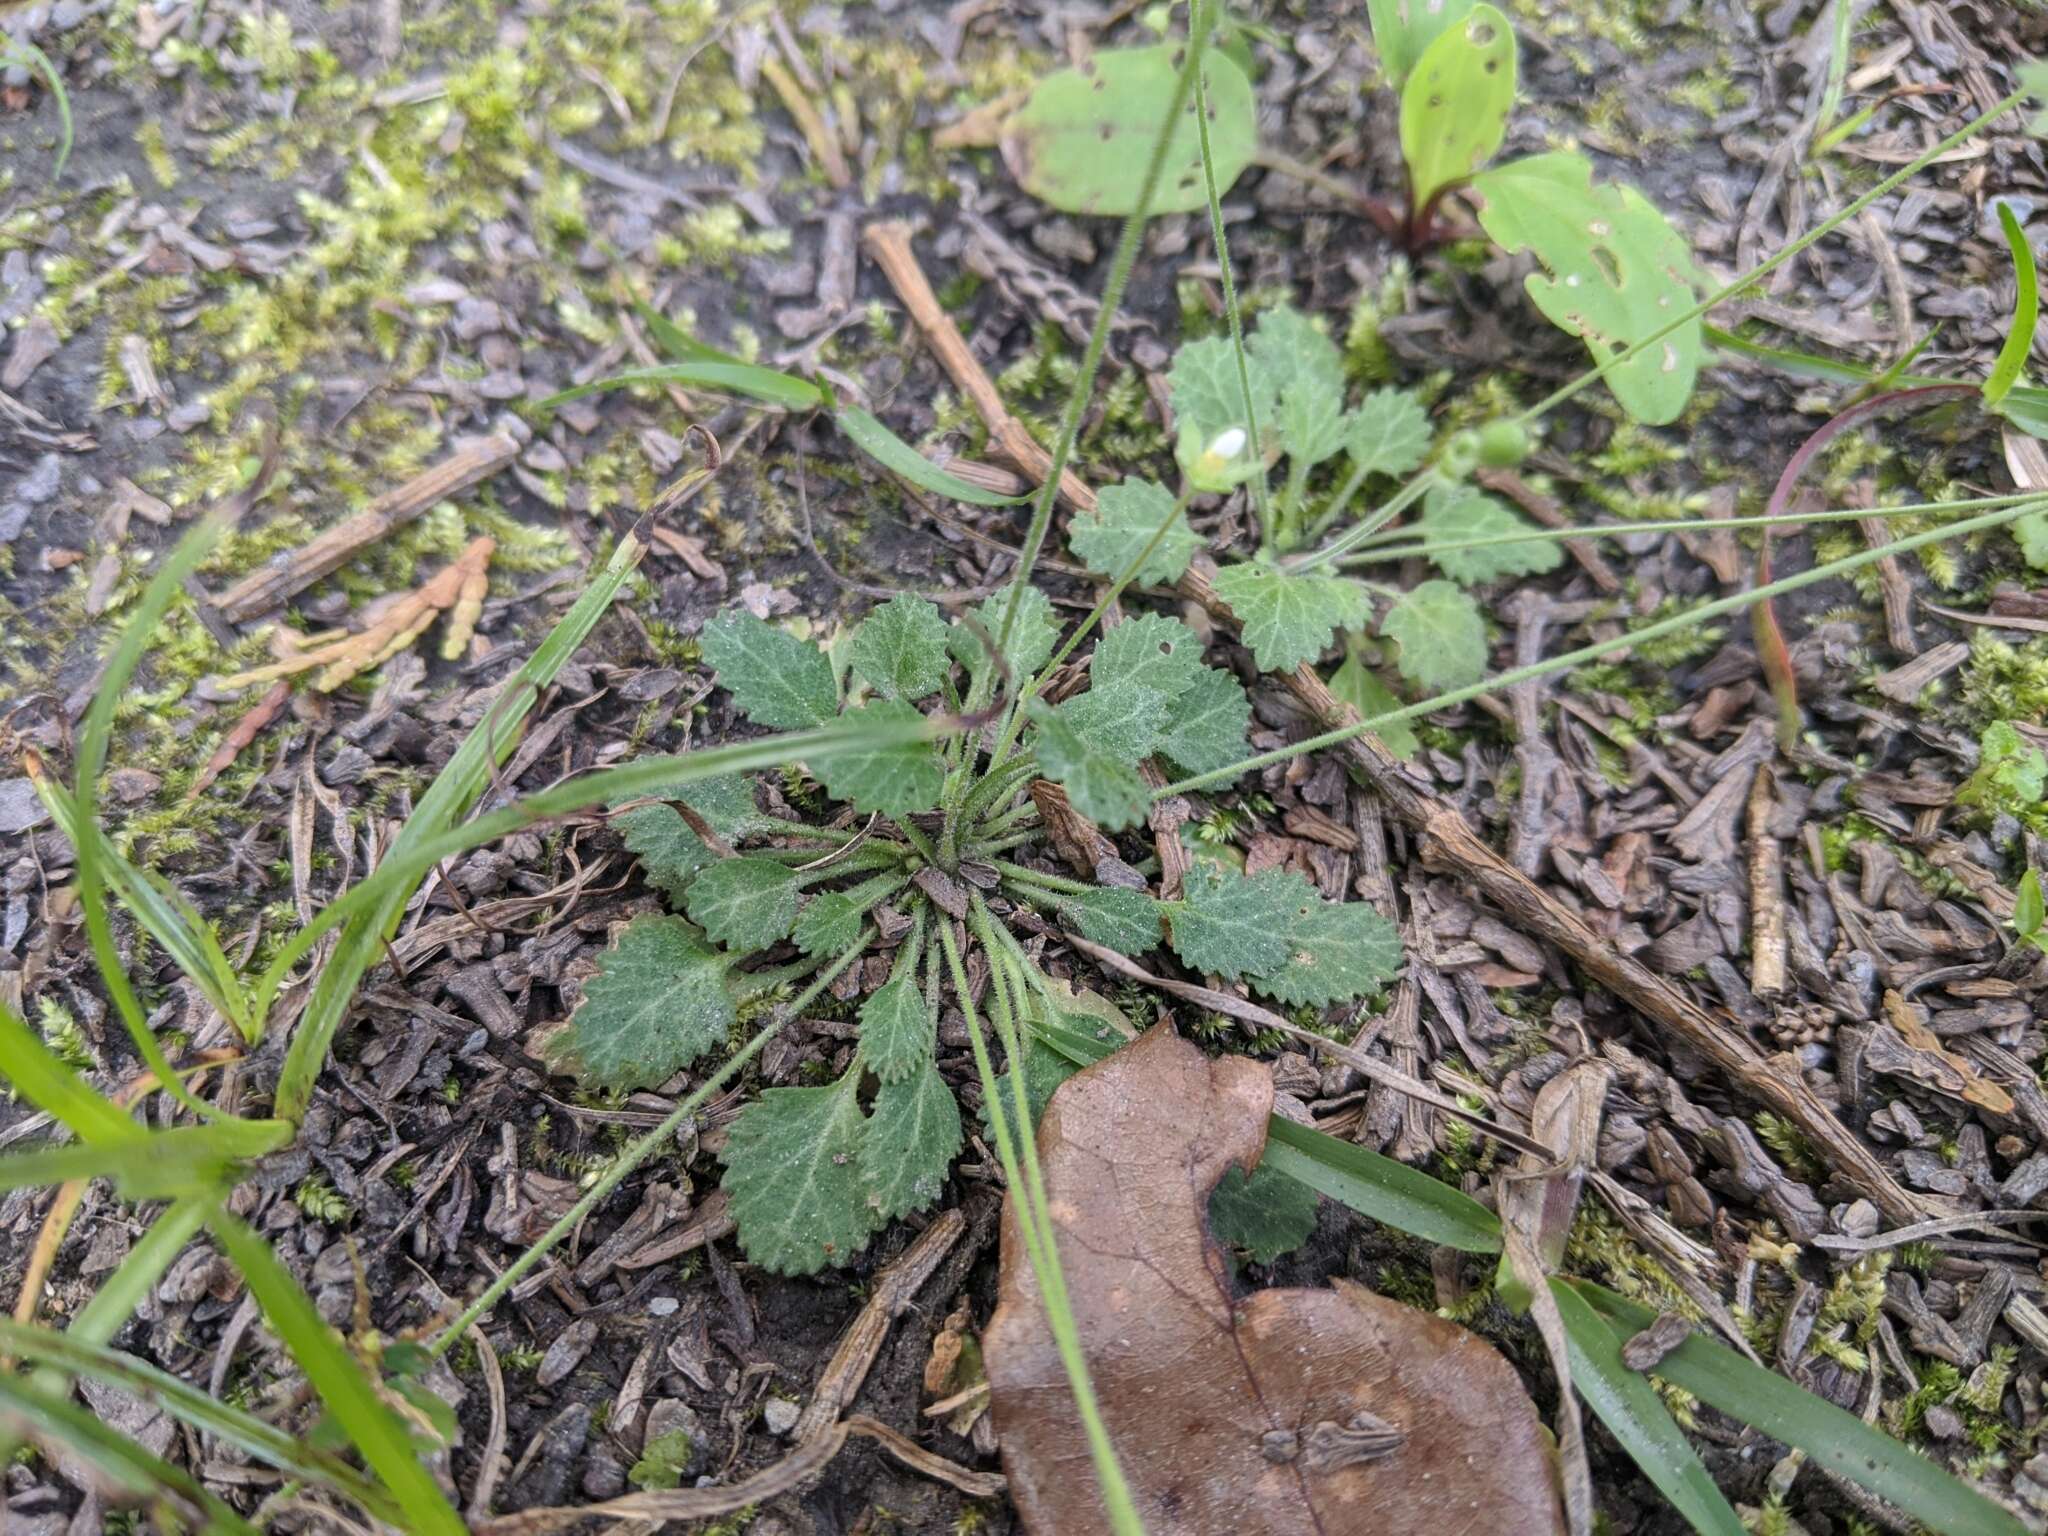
125 1464
46 1082
731 378
158 1165
22 51
1838 1441
1379 1187
451 794
2019 339
375 1431
1631 1409
892 453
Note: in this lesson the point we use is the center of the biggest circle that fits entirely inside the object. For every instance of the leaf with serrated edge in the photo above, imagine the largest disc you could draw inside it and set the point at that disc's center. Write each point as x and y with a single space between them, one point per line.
744 904
1267 1214
1308 373
1126 921
2032 532
1388 433
1036 632
1205 727
896 1028
776 679
668 847
912 1135
829 924
1288 618
1236 925
1124 518
1441 635
900 648
1356 685
1151 651
1208 396
657 1003
1122 720
792 1175
1458 513
1335 951
898 779
1104 788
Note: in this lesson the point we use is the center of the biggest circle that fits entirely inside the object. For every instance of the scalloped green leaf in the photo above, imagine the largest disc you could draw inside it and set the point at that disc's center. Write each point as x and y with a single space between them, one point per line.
1125 921
1617 272
668 847
1335 951
1455 513
1125 517
1032 639
1084 136
829 924
1441 635
1208 396
1454 108
900 648
1206 723
776 679
897 778
1266 1214
1357 685
658 1002
1122 720
793 1178
1236 925
1149 651
1387 433
912 1134
896 1027
1288 617
1102 785
744 904
1308 373
2031 530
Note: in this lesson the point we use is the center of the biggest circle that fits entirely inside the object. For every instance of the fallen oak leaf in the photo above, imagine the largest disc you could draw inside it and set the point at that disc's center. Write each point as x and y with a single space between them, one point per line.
1337 1411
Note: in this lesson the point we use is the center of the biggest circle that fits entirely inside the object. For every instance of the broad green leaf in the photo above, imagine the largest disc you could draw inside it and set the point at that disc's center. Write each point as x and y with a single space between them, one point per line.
2031 529
1103 786
1236 925
1206 724
1455 513
744 904
1032 638
1389 1192
1629 1406
1402 30
1122 720
1336 951
1454 108
912 1134
897 778
1125 517
896 1028
831 921
1618 272
1149 651
1125 921
1311 425
1266 1214
1288 618
792 1174
657 1003
1441 635
1388 433
891 452
776 679
900 648
2019 337
1357 685
668 847
1307 371
1208 397
1083 137
2029 908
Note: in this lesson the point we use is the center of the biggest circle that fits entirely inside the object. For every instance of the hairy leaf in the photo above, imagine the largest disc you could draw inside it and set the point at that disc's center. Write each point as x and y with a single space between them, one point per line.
1032 639
1236 925
1454 513
900 648
1150 651
744 904
1617 272
897 779
896 1028
1308 373
1441 635
1102 785
1388 433
657 1003
1266 1213
1454 108
776 679
2031 530
792 1174
829 924
1335 951
1125 517
1208 397
1206 724
912 1134
1289 618
1356 684
1123 720
1083 137
1126 921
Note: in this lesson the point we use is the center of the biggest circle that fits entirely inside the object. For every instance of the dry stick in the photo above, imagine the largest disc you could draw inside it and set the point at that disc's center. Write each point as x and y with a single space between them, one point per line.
1448 843
271 585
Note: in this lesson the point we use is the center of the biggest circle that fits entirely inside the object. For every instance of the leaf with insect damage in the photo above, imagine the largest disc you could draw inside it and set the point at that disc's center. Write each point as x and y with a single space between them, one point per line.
900 648
657 1003
792 1175
1402 30
744 904
912 1134
1289 617
1441 635
1454 108
776 679
1150 651
1125 517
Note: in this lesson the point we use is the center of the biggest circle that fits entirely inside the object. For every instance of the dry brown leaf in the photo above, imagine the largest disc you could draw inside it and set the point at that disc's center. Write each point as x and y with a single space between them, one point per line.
1333 1411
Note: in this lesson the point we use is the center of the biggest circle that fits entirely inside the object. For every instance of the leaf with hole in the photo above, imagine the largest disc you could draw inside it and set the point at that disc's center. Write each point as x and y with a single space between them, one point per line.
1149 651
912 1133
1454 514
1441 635
1616 272
1084 136
1289 617
1402 30
744 904
897 778
1126 515
792 1174
776 679
657 1003
1454 108
900 648
1387 433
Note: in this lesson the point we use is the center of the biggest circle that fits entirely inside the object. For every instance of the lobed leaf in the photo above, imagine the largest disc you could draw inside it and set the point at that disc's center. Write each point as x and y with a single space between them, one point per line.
1206 724
912 1135
1266 1213
1455 513
1032 637
898 778
1101 784
1454 108
1125 517
657 1003
1307 371
1208 396
793 1178
1288 617
1387 433
668 847
1441 635
1335 951
1357 685
1236 925
900 648
1125 921
1151 651
744 904
776 679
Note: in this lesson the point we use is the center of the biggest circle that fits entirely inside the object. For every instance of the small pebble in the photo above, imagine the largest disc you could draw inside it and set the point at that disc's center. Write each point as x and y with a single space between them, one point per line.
780 1415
